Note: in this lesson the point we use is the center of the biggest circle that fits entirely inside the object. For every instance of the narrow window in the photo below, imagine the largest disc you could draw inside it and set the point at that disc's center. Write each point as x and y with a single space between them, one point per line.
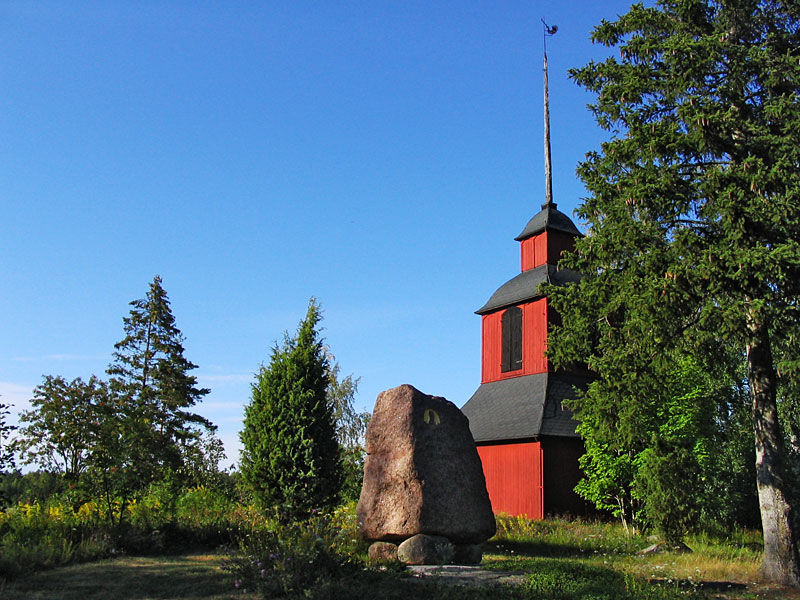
512 340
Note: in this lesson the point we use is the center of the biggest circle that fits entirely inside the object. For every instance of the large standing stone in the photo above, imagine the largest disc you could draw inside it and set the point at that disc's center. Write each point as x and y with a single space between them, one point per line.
422 472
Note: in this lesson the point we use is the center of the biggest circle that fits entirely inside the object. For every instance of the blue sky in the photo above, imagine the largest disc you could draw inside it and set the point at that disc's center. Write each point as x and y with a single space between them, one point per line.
380 156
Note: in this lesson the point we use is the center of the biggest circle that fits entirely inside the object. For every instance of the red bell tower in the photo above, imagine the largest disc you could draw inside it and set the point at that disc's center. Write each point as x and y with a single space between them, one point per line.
526 438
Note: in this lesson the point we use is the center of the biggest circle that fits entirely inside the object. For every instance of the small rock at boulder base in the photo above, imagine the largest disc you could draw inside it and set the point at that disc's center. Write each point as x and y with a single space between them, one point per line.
422 473
382 552
468 554
424 549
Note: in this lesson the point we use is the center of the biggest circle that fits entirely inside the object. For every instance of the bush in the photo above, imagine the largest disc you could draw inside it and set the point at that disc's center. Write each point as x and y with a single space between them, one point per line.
292 559
37 535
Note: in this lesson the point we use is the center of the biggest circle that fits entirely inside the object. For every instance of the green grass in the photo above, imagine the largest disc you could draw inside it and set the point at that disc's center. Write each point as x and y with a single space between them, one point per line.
561 560
128 578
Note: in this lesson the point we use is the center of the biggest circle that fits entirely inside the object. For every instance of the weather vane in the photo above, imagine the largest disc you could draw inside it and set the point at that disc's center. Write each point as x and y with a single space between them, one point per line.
548 31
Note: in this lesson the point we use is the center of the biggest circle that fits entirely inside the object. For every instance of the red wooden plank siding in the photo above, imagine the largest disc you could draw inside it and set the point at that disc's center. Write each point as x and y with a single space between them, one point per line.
534 342
492 341
534 336
514 478
544 248
534 251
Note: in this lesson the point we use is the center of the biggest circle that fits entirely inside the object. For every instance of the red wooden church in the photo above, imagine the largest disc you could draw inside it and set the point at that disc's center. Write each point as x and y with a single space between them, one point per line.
525 436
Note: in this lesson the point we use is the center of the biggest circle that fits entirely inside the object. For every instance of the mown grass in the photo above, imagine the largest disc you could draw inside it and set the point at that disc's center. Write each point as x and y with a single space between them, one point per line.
128 578
734 558
560 560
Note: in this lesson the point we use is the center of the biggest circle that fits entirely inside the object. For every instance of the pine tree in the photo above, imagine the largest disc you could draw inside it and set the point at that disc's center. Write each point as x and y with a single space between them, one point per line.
694 213
152 376
291 457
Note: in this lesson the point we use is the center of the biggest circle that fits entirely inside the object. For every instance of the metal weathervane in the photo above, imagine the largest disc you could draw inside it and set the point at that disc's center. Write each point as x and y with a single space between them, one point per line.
548 31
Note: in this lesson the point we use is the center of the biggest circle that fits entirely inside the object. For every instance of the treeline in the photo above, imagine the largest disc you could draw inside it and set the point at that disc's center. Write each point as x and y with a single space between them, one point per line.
125 464
110 439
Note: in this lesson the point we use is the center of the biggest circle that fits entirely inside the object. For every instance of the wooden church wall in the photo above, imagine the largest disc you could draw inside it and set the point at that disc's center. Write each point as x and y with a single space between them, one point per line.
534 340
514 478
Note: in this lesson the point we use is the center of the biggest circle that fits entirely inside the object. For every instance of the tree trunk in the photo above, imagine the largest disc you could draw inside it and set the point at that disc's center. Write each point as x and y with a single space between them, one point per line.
780 563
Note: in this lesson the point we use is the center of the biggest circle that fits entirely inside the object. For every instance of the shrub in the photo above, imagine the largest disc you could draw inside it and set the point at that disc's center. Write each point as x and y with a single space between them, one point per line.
291 559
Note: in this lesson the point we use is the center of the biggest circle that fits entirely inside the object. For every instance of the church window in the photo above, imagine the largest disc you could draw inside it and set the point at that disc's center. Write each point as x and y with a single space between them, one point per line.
512 340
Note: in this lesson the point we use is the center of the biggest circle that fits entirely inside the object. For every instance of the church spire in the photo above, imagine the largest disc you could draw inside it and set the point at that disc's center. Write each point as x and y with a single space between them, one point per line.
548 175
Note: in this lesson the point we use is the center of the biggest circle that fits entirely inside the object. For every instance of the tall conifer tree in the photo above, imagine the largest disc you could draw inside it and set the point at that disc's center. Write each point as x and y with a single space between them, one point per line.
152 375
291 457
694 213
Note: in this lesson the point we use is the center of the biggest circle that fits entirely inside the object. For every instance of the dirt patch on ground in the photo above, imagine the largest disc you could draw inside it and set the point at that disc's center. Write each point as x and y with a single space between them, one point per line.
473 576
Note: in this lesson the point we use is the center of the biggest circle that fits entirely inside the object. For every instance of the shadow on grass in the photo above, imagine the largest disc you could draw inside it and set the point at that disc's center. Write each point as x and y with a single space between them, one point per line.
199 577
129 578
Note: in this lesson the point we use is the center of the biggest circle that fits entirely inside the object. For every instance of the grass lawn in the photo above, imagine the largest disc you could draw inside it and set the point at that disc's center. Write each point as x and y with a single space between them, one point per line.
561 561
196 576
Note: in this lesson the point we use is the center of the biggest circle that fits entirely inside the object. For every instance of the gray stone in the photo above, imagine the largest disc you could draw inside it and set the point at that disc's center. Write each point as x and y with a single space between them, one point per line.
468 554
422 473
382 552
680 547
424 549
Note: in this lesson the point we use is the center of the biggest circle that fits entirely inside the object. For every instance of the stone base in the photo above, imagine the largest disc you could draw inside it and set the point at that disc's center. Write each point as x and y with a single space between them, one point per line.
384 552
423 549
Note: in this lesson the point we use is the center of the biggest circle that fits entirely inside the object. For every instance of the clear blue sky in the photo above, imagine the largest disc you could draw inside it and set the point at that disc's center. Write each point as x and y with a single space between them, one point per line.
380 156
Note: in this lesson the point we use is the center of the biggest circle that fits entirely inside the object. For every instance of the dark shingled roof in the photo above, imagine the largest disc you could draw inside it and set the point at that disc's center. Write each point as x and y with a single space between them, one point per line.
523 407
548 218
525 286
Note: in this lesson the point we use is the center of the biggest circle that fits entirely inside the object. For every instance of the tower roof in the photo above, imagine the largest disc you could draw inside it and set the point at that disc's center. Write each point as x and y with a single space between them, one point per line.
549 218
523 407
525 286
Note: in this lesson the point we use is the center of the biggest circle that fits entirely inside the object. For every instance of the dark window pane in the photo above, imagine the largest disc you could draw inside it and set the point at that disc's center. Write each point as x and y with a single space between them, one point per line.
512 340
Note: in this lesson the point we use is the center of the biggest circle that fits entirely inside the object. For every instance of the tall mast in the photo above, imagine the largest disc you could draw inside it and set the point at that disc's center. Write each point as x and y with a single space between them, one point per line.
548 175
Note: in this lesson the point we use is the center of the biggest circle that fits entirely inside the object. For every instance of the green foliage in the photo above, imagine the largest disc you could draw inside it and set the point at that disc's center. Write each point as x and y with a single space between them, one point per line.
291 559
692 251
62 428
6 448
291 457
28 488
43 534
351 426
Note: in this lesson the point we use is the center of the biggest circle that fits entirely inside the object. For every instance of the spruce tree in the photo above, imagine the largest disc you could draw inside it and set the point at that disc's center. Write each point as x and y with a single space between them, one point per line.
694 214
290 457
151 375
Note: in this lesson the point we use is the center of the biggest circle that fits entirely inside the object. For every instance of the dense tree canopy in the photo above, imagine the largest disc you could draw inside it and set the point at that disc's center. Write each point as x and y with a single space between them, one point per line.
291 457
694 217
60 430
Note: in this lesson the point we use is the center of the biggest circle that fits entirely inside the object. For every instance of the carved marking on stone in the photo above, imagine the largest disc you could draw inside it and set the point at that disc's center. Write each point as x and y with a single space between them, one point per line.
432 415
